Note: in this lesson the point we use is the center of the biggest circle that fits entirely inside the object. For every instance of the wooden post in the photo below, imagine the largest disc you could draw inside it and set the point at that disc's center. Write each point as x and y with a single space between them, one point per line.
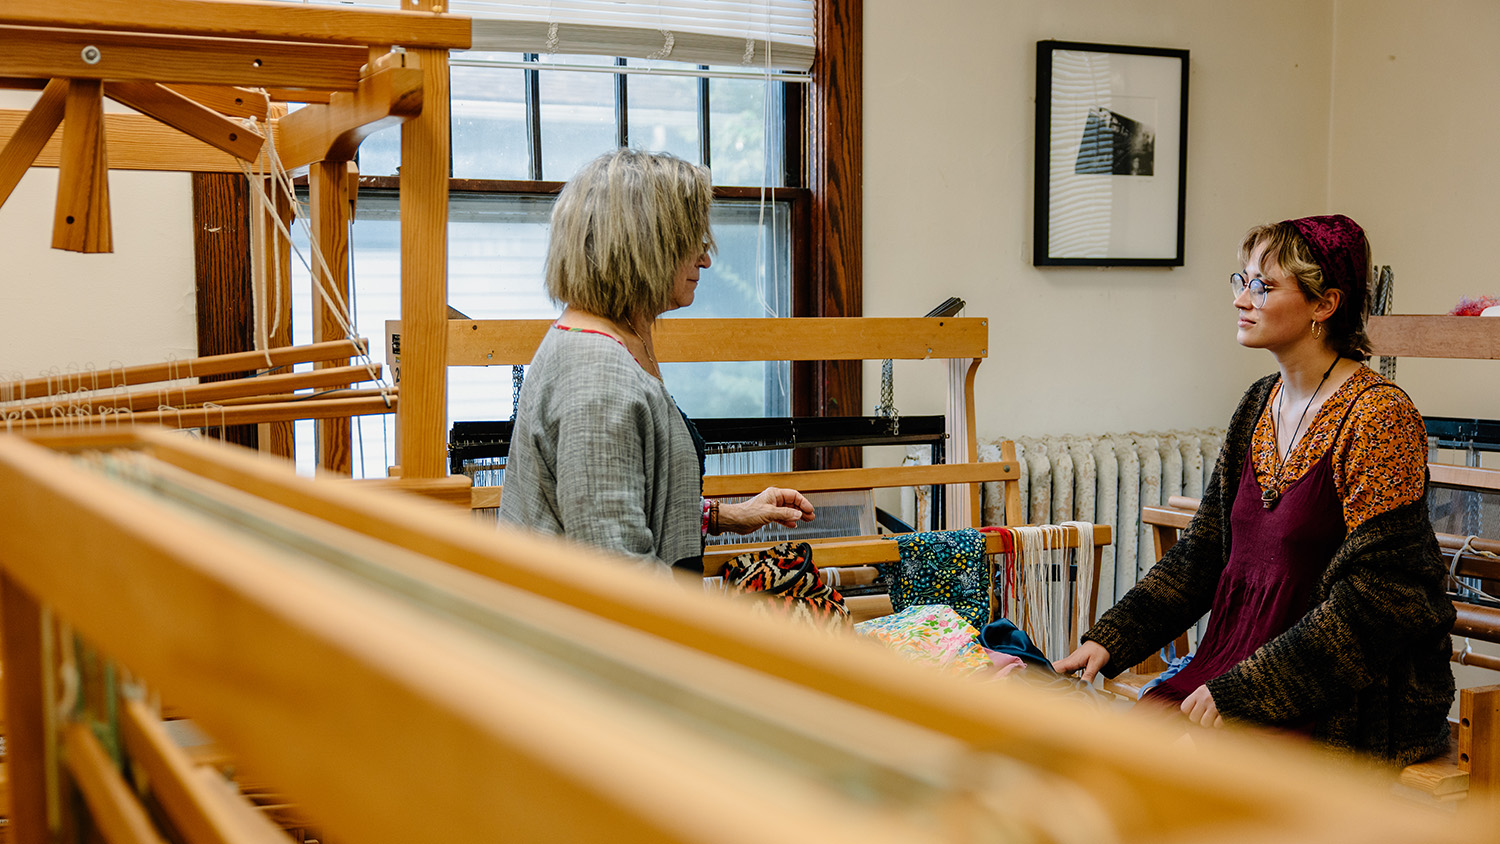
329 189
26 730
1479 752
423 412
225 289
81 223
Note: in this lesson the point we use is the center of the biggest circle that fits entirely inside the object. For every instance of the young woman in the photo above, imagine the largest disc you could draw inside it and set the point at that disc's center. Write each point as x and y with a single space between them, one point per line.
600 452
1312 546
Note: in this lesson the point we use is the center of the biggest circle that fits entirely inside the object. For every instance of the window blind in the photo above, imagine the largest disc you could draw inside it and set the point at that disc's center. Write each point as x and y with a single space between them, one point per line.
776 34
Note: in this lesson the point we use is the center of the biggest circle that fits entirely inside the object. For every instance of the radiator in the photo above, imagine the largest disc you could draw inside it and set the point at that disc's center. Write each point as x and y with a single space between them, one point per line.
1106 479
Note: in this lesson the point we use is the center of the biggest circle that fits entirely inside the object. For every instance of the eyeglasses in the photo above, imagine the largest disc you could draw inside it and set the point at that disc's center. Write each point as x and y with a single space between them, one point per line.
1257 287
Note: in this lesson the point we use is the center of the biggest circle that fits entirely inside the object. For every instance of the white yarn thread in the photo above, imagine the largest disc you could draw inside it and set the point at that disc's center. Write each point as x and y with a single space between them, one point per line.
1083 555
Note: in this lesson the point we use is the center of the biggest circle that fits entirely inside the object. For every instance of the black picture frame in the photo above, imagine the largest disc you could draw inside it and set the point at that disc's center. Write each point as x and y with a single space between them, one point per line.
1111 155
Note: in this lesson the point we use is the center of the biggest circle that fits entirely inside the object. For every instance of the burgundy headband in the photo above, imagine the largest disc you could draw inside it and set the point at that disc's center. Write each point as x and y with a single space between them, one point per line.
1338 246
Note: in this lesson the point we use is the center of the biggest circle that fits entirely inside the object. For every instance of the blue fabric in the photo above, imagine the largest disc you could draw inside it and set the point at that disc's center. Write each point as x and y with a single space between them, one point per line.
1004 636
942 567
1174 665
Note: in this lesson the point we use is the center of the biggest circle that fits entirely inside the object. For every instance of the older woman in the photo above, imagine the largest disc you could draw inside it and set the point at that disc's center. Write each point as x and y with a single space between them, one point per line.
600 451
1312 546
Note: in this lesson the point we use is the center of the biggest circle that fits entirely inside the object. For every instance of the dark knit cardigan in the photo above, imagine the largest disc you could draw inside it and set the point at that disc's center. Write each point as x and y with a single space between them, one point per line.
1369 663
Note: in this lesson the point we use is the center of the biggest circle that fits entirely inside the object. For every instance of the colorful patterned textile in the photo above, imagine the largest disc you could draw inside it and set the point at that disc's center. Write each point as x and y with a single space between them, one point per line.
1379 458
788 584
943 567
931 633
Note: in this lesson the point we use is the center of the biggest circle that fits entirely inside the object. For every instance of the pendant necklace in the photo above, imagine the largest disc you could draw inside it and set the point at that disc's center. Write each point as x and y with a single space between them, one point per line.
647 349
1269 497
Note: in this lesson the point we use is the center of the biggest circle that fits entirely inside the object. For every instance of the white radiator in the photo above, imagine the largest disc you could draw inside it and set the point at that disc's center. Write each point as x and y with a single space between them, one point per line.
1106 479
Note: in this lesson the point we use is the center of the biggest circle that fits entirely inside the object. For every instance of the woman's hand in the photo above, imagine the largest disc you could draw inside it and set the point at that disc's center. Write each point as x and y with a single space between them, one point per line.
785 507
1090 656
1199 708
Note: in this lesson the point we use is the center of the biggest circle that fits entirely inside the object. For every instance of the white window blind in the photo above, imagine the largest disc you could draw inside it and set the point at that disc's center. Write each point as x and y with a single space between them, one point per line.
775 34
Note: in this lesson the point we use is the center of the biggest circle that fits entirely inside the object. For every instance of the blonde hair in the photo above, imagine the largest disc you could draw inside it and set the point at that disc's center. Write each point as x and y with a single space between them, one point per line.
1283 245
622 228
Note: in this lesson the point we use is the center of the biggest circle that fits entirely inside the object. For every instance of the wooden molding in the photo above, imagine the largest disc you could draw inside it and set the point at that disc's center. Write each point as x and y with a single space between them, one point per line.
1431 336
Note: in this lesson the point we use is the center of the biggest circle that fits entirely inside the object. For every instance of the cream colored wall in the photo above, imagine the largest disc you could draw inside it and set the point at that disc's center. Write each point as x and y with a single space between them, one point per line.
69 311
948 144
1415 122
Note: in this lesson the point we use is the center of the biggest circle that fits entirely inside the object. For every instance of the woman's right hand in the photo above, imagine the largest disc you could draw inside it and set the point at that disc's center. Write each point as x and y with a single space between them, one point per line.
1090 656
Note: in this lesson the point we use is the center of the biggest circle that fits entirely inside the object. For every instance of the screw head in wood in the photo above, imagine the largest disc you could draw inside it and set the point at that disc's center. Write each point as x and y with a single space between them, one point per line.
91 54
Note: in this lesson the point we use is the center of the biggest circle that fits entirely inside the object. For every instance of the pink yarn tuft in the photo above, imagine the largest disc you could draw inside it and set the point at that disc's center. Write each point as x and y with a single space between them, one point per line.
1473 307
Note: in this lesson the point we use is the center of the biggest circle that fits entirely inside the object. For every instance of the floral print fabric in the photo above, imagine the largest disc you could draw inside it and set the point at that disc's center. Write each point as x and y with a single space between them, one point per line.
930 633
943 567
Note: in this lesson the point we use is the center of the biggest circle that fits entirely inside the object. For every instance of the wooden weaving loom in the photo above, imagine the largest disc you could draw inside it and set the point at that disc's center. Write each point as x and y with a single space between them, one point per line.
962 341
407 675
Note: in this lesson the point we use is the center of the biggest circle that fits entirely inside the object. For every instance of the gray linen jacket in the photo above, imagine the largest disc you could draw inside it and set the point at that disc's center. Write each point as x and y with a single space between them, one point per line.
601 454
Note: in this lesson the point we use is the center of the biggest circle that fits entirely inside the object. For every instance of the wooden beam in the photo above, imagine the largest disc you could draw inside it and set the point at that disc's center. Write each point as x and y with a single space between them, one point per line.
837 552
425 148
31 136
116 814
228 100
510 342
196 808
189 117
328 186
335 131
81 221
831 480
1431 336
263 20
81 54
136 142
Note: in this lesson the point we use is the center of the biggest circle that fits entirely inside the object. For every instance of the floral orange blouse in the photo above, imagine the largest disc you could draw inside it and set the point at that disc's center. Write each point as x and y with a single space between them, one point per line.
1379 461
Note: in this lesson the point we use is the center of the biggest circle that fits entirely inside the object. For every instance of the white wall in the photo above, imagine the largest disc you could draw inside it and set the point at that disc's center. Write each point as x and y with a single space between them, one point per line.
69 311
1415 123
948 143
1295 107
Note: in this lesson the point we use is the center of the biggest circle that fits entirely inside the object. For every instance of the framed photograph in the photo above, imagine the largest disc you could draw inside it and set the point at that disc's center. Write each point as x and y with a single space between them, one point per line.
1111 155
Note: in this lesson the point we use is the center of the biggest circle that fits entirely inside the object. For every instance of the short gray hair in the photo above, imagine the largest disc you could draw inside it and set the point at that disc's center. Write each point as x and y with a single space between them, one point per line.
622 227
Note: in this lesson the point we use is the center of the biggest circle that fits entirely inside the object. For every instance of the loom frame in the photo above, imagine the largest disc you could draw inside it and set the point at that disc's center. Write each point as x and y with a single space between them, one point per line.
154 579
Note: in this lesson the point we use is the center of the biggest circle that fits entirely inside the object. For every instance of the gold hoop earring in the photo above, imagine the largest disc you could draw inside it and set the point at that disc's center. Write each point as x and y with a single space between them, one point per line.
1317 330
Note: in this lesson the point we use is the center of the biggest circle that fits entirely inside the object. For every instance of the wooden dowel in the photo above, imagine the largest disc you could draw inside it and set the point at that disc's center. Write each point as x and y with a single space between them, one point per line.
216 417
1477 660
1476 622
350 393
101 379
217 391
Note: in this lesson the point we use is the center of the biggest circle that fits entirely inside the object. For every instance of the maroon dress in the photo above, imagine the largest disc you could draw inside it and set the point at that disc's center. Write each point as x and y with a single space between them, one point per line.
1275 559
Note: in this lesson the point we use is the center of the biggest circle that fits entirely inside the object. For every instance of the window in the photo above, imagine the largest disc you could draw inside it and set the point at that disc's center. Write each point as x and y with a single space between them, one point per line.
520 126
